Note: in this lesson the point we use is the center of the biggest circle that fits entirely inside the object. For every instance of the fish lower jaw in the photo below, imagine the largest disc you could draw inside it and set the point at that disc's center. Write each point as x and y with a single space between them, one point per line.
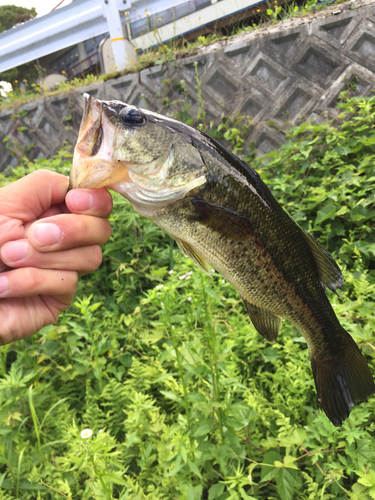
146 200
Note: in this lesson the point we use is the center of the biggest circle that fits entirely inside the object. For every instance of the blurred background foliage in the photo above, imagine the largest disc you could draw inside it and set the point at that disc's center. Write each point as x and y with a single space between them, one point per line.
10 16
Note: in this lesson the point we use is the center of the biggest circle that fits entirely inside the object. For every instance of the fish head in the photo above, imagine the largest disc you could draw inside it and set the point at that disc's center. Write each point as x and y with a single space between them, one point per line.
146 157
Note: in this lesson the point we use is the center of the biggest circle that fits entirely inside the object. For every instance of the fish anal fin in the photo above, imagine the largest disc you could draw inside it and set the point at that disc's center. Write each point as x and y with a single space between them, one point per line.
342 381
195 256
222 220
329 272
265 322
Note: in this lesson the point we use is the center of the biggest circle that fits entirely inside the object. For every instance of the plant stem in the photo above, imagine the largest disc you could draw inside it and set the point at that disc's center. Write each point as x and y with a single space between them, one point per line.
35 421
99 476
179 365
211 341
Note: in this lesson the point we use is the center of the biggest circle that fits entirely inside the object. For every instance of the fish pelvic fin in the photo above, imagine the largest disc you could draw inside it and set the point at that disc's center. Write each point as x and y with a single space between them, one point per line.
265 323
342 381
195 256
329 272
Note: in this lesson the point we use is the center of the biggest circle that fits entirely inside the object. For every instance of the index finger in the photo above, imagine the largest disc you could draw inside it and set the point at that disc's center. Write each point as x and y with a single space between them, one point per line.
27 198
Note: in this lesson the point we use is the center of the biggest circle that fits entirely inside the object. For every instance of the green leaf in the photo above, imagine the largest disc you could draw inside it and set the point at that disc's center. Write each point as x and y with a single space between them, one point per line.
215 491
342 210
296 437
115 479
173 396
268 472
326 212
194 469
204 428
368 479
367 451
286 482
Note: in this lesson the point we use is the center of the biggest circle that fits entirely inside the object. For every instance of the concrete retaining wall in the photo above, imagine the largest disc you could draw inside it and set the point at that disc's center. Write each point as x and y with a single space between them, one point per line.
286 74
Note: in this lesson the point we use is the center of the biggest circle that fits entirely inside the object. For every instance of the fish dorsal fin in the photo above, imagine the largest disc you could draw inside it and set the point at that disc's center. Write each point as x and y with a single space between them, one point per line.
329 272
222 220
266 323
195 256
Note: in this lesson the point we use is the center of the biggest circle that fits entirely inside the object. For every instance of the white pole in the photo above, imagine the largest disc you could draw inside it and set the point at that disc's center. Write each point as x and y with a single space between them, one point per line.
123 51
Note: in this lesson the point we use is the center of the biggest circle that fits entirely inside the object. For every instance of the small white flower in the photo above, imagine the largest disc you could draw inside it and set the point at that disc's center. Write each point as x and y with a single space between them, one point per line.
100 430
170 272
159 287
189 299
182 277
188 277
223 281
86 433
190 272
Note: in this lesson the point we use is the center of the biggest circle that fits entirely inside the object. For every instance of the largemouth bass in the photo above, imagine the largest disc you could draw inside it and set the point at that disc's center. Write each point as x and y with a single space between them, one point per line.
222 215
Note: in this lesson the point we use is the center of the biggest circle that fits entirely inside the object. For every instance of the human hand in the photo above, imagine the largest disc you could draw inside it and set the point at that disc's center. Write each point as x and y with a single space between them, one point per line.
44 247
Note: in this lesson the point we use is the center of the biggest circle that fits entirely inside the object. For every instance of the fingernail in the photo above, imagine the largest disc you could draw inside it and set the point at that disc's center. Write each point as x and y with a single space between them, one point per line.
3 284
47 234
14 250
80 201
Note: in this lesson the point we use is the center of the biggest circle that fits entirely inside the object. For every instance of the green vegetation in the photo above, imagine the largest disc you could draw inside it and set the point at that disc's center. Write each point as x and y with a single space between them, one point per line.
11 15
154 384
270 12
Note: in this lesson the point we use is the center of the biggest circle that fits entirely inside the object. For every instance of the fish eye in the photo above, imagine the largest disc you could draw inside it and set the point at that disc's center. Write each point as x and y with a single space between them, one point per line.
132 116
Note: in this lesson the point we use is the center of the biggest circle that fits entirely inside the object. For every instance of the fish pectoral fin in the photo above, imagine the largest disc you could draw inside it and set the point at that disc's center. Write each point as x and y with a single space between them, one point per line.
266 323
222 220
329 272
342 379
195 256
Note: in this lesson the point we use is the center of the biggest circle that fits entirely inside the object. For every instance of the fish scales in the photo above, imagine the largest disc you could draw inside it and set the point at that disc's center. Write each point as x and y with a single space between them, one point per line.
223 215
257 276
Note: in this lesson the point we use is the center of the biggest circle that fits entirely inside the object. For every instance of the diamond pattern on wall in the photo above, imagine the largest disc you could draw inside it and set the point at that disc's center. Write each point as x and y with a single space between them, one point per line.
92 92
30 115
5 121
224 87
317 66
267 75
284 43
122 87
266 144
336 29
251 108
294 104
141 100
60 104
47 127
365 45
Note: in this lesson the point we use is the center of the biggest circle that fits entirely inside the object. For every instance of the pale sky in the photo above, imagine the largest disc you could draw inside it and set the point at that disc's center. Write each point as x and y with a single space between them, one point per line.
42 6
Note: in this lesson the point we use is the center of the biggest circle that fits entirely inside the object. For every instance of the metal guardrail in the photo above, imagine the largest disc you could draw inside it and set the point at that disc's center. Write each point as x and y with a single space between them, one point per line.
85 19
61 28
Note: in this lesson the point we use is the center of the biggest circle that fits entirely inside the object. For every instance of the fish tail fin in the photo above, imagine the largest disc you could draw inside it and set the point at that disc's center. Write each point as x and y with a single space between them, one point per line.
342 380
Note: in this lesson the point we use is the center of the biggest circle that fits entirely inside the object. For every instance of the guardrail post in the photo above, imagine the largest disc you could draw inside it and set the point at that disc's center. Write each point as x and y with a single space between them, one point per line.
123 50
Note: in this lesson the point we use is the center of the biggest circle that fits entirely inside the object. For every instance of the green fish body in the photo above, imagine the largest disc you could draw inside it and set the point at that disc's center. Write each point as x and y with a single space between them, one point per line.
222 215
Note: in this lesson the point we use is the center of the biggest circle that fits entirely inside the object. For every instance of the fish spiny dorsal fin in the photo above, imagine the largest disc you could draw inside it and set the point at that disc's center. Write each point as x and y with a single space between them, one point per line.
195 256
266 323
329 272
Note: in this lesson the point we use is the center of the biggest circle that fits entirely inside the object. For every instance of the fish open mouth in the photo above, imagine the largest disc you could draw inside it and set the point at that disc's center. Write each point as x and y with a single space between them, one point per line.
109 156
93 154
